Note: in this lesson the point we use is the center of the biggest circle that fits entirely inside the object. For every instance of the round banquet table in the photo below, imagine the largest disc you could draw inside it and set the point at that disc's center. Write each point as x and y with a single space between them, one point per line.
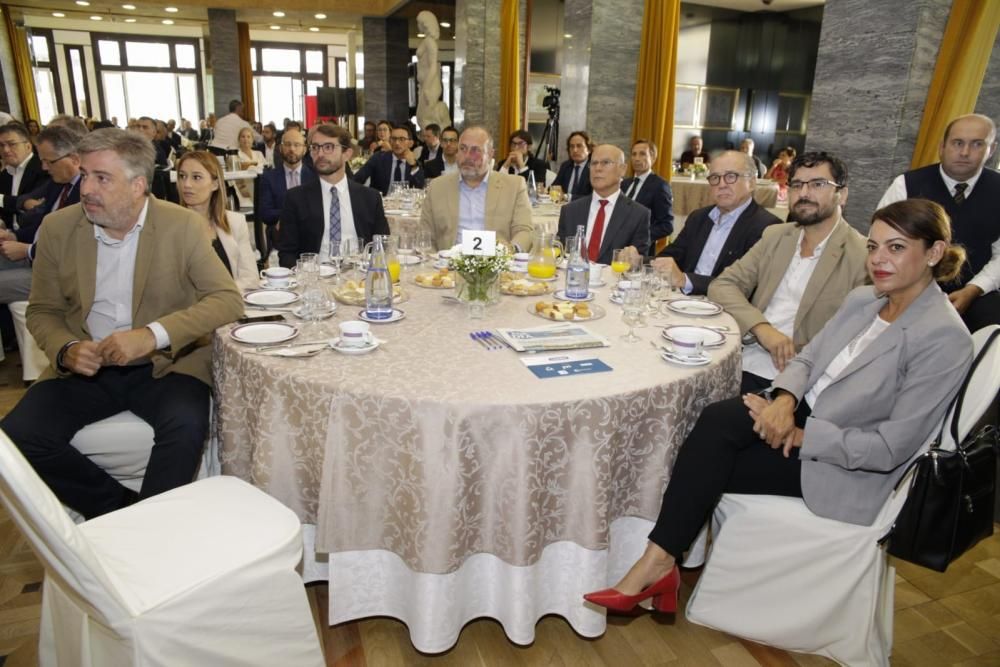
692 194
439 481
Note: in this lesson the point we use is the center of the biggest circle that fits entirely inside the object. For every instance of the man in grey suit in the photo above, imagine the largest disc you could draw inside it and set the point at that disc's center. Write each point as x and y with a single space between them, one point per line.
792 281
612 221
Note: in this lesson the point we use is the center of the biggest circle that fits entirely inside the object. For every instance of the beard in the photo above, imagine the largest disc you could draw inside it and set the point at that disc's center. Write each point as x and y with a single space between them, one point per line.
806 217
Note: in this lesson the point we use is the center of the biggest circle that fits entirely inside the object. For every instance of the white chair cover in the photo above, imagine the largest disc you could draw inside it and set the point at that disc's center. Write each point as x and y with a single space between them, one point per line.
33 360
201 575
778 574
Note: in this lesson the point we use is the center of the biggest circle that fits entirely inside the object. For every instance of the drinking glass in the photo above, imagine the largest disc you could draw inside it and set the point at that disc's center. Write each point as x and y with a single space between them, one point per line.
425 244
632 307
622 261
350 249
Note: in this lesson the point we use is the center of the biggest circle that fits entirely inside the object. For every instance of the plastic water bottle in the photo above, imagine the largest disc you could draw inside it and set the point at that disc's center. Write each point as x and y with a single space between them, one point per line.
378 284
578 267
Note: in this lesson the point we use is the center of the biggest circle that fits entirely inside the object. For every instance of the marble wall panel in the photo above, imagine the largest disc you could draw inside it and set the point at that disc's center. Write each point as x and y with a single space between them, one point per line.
989 96
224 59
386 50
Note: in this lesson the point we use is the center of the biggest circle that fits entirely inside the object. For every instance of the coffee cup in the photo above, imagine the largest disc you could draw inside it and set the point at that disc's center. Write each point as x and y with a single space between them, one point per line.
354 333
687 343
597 273
277 276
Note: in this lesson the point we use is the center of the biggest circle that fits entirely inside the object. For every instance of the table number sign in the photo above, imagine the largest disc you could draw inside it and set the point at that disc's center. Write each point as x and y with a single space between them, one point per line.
482 243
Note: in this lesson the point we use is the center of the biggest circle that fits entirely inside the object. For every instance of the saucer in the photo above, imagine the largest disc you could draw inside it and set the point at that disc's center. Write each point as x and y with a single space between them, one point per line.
396 316
709 337
561 295
370 346
292 284
694 307
701 360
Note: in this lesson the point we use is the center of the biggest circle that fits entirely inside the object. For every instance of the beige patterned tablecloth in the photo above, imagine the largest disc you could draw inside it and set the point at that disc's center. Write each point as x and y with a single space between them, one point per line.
436 449
690 195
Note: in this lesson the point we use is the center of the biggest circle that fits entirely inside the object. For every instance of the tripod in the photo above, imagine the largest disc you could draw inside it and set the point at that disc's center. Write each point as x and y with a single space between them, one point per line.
549 143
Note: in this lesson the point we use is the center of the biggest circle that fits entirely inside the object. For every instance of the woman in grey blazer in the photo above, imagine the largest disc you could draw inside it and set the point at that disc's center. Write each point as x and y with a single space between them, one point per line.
844 418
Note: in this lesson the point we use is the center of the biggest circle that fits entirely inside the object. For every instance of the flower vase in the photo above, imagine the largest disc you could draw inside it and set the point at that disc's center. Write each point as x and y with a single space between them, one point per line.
478 290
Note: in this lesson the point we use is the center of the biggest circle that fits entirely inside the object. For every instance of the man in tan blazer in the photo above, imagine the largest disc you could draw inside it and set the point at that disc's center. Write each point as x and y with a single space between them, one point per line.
785 288
477 199
127 291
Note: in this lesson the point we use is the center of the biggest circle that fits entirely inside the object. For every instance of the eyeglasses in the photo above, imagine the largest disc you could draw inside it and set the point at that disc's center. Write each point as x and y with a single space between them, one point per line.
729 177
326 149
398 139
519 143
52 162
604 164
815 185
287 144
449 140
4 145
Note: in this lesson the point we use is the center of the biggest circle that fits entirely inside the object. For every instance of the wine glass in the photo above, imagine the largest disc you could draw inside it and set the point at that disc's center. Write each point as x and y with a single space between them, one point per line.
425 244
632 307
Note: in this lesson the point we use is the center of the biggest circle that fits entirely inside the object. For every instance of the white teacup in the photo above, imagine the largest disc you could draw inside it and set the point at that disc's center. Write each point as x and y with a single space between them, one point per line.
277 276
687 343
597 273
354 333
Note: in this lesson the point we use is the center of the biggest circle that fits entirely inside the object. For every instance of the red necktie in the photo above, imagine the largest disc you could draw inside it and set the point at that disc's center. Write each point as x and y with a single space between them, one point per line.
64 195
594 249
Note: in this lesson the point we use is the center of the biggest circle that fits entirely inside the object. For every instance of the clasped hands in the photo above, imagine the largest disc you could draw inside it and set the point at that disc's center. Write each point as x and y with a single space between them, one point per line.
774 421
118 349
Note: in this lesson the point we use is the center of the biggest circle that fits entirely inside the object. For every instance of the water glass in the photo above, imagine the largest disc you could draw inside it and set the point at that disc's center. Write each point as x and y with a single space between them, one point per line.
425 243
632 308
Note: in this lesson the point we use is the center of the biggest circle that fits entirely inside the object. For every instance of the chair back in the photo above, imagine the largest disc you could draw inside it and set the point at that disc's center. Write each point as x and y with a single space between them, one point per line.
60 545
978 391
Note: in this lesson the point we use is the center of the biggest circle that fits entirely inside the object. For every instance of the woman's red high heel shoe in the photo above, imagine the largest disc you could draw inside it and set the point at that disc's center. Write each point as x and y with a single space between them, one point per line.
663 592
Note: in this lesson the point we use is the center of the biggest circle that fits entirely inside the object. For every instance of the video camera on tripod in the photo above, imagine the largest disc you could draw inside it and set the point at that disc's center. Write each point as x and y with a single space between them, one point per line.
551 101
549 145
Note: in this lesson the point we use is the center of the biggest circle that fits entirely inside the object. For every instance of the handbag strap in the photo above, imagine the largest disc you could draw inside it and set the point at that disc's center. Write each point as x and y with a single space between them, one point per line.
960 397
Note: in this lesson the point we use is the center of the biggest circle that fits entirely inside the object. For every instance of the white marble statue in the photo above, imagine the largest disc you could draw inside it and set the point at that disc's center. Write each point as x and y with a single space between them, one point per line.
430 108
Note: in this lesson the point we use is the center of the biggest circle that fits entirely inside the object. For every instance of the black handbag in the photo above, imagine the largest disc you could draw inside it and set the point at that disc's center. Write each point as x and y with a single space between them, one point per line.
950 506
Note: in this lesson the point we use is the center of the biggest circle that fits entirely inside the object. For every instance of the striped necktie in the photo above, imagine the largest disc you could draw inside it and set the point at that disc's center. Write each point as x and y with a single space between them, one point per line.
960 192
334 221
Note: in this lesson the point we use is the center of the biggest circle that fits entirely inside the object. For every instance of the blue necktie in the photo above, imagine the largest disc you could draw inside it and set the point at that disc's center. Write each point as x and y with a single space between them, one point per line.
399 171
576 179
334 221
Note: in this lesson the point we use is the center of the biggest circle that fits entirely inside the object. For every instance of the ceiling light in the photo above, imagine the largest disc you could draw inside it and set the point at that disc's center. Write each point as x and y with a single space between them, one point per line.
96 18
59 15
167 22
567 35
129 20
321 16
445 24
420 34
279 14
275 27
128 6
171 10
314 29
83 3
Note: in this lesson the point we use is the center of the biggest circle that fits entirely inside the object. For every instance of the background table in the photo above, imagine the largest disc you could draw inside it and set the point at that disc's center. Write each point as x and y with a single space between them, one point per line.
692 194
440 481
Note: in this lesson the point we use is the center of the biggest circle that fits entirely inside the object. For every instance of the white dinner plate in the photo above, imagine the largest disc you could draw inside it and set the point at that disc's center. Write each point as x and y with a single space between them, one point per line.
327 270
408 260
397 315
264 333
561 295
270 297
370 346
701 360
709 337
694 307
292 284
329 312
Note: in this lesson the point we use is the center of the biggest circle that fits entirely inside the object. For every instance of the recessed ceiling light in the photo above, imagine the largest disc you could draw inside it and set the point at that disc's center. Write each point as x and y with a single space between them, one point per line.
83 3
129 20
128 6
314 29
59 15
421 35
171 10
568 36
321 16
279 14
167 22
96 18
275 27
445 24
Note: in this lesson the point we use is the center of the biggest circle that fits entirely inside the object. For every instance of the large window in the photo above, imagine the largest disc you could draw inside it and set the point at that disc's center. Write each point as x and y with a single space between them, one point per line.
148 76
43 68
282 76
79 90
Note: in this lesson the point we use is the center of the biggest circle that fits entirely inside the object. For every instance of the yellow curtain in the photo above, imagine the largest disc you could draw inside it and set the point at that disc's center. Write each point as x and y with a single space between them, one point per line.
958 75
510 86
246 73
22 67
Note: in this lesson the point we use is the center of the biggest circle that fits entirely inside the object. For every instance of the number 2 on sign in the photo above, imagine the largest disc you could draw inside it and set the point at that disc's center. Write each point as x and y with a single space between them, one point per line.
476 242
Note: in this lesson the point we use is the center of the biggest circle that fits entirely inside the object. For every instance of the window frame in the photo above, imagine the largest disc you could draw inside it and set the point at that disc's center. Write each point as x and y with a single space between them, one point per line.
52 65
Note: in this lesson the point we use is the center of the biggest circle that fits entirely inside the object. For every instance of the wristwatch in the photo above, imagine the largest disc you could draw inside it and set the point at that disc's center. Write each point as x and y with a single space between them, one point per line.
61 354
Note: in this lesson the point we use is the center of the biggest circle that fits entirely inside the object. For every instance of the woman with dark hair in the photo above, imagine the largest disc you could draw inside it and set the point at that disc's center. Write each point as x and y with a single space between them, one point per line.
844 419
201 189
520 161
382 131
779 168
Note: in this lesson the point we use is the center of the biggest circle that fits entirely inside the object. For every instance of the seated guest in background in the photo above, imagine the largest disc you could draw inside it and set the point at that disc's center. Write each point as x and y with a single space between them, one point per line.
694 150
126 294
786 287
163 138
574 174
970 193
432 157
381 142
227 129
520 161
187 131
746 146
33 128
368 139
274 183
202 189
716 236
611 220
396 166
270 147
174 136
651 190
22 172
447 162
476 199
781 165
842 421
250 160
318 216
146 126
72 122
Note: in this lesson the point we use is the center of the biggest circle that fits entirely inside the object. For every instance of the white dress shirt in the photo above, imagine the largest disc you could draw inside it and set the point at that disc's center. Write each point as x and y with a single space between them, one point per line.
227 131
347 229
595 206
16 174
471 206
845 357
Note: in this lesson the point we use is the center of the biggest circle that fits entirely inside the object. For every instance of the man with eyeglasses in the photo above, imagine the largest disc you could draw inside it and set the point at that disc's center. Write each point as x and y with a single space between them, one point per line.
274 183
476 198
612 220
520 161
22 170
970 193
323 213
786 287
447 159
716 236
396 166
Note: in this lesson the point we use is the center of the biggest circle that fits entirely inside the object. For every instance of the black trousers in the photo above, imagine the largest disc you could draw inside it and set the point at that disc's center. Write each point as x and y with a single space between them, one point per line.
752 384
721 455
984 311
51 412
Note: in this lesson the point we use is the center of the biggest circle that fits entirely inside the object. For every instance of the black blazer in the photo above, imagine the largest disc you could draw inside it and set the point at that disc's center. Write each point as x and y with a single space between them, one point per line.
655 194
302 221
273 189
434 167
629 225
687 247
565 175
536 167
33 178
379 169
28 221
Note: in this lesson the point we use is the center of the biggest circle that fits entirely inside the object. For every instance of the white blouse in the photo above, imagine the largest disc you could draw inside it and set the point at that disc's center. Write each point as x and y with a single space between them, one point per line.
846 356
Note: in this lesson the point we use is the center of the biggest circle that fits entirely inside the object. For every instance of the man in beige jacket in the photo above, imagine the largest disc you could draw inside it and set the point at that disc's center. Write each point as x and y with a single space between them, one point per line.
786 287
125 296
476 199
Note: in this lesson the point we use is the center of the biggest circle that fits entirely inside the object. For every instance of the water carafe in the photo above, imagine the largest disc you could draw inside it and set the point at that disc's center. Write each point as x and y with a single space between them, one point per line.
578 266
378 283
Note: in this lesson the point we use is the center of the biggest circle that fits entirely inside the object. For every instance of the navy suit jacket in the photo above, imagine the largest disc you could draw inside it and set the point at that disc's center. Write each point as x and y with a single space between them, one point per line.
565 175
33 178
629 225
28 221
537 167
655 194
272 192
303 223
379 169
687 247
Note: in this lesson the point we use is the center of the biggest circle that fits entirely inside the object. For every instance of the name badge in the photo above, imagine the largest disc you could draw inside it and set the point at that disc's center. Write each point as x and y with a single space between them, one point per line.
476 242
